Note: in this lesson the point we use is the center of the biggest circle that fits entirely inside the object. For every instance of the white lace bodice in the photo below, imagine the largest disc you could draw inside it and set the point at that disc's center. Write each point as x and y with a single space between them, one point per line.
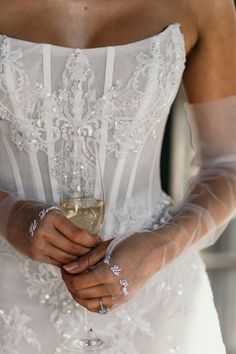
122 94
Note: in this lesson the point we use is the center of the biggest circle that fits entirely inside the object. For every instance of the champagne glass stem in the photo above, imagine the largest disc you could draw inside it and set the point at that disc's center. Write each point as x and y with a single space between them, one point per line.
86 323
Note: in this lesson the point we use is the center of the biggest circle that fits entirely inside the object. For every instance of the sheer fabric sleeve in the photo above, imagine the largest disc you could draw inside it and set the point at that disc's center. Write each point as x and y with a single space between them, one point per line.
209 202
207 206
7 201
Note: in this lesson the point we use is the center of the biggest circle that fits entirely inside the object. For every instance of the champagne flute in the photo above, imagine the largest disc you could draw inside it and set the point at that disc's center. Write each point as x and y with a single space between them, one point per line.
82 201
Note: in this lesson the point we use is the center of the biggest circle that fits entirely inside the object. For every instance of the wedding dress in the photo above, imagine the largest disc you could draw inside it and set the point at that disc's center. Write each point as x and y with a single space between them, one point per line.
123 94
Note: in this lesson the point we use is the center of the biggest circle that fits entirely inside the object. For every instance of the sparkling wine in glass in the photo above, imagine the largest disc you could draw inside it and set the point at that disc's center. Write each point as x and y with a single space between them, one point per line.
82 202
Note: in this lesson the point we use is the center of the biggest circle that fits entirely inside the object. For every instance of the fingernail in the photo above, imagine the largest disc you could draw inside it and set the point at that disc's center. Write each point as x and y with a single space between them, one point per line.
70 267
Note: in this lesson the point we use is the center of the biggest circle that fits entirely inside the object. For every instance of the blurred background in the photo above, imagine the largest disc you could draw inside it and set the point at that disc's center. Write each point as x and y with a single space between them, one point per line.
221 258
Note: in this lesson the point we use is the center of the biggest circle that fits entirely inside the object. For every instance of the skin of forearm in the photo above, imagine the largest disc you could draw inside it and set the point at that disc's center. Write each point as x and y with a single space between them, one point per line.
3 195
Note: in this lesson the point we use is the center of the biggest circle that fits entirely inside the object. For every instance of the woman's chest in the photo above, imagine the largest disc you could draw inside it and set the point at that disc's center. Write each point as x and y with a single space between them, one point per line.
87 24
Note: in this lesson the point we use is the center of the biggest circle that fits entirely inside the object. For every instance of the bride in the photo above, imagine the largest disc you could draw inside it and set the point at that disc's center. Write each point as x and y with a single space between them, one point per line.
112 70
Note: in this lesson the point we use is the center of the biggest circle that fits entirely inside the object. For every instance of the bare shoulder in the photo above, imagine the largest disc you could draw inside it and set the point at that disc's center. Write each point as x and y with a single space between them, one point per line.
211 70
214 15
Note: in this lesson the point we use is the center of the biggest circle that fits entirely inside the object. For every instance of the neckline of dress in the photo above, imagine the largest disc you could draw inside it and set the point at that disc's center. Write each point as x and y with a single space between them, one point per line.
152 37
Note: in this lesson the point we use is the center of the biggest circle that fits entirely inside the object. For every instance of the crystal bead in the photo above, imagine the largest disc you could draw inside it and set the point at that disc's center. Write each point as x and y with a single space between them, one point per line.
154 133
39 123
39 85
162 220
155 226
66 335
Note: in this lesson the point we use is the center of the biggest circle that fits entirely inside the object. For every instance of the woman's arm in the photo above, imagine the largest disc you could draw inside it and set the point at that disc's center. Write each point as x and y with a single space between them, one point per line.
210 199
41 232
7 201
210 72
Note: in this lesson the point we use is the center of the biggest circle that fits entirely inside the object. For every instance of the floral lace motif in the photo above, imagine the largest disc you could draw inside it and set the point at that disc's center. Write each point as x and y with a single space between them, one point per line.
43 282
14 329
76 109
133 215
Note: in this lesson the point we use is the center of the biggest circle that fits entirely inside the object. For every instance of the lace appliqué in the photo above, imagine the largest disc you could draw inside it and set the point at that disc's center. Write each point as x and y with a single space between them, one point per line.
133 216
66 315
14 330
75 108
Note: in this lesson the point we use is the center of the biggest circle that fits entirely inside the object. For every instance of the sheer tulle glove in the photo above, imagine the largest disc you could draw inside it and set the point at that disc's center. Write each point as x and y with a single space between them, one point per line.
195 223
117 278
42 232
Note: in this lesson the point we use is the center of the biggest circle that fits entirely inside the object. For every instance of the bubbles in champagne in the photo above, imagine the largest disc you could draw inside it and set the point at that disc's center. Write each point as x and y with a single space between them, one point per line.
86 213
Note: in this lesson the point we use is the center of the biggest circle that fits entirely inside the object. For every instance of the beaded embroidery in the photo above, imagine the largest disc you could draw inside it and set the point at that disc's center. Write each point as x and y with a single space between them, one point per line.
76 109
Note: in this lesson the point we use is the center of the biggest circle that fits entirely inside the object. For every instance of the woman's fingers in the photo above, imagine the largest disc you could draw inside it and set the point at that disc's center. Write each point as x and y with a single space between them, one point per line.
85 280
94 305
94 292
59 255
54 262
74 233
88 260
64 244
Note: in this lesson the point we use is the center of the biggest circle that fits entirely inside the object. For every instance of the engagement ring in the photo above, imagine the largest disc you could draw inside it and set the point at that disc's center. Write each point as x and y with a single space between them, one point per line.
103 309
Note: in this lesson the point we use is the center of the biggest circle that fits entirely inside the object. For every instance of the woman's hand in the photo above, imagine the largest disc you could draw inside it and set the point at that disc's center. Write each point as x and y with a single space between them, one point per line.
136 258
55 240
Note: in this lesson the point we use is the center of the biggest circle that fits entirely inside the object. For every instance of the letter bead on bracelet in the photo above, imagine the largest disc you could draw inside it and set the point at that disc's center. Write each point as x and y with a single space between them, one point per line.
42 213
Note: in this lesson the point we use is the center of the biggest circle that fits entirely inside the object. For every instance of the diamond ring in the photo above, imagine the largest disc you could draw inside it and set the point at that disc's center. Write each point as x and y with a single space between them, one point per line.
103 309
